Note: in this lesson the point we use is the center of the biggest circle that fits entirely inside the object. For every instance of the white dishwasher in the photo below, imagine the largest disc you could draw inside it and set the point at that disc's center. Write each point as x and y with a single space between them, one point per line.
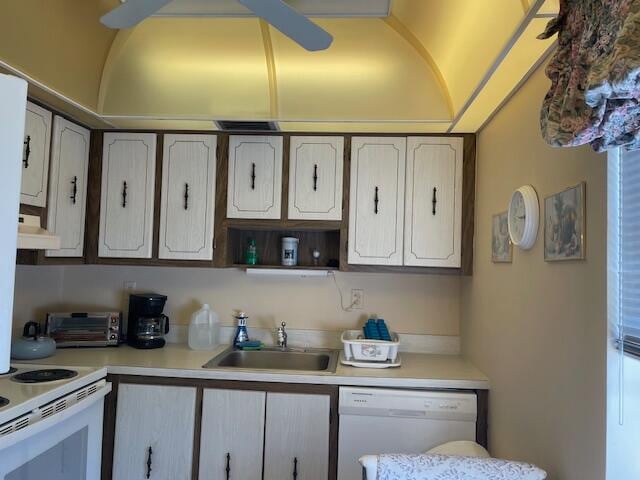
376 420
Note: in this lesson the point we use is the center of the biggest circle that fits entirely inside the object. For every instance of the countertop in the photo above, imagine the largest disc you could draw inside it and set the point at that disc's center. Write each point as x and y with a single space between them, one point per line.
418 370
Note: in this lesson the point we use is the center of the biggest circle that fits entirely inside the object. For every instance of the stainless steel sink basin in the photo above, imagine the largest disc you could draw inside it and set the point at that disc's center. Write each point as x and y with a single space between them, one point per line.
308 360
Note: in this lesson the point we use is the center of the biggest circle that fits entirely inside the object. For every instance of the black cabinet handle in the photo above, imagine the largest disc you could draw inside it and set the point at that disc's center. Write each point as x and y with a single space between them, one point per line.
124 194
186 196
434 202
228 467
253 176
315 177
149 453
295 468
74 189
375 201
27 151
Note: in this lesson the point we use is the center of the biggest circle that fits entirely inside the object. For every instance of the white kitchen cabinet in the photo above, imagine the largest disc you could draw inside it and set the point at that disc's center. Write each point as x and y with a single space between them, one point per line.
315 178
255 177
297 437
188 197
376 201
433 206
35 158
68 189
154 432
126 201
232 434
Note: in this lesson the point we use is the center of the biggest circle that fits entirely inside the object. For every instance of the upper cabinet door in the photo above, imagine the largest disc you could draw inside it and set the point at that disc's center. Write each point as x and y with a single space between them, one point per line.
315 178
433 216
376 201
35 159
255 177
232 434
154 432
126 205
68 189
188 197
297 437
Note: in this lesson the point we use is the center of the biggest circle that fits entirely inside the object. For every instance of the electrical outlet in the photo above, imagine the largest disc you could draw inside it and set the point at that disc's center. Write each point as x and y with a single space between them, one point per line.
129 285
357 298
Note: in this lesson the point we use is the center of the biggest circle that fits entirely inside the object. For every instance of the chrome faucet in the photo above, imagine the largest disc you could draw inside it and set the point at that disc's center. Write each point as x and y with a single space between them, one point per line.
282 336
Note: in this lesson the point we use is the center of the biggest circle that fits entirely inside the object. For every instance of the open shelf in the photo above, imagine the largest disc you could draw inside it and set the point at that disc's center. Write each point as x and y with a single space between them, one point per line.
269 244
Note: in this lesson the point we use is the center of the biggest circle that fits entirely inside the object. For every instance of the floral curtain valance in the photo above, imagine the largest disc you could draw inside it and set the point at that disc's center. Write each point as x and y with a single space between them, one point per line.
595 75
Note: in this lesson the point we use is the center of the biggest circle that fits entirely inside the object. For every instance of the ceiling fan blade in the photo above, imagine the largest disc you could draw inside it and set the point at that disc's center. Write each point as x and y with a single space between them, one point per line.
132 12
291 23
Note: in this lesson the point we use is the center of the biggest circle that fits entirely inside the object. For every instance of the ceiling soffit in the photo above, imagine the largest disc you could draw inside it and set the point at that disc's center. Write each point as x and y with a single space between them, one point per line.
442 65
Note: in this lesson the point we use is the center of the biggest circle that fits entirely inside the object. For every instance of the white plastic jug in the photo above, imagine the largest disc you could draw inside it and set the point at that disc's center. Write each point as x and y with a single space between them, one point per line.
204 329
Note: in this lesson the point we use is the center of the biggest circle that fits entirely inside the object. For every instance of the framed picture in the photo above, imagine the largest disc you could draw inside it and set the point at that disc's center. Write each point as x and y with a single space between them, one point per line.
501 247
564 225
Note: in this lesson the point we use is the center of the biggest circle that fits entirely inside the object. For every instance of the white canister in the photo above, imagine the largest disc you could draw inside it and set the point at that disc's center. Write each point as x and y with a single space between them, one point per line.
289 251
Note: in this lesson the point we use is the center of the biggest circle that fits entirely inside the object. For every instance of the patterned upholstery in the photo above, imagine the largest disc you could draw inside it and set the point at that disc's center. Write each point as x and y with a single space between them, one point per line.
448 467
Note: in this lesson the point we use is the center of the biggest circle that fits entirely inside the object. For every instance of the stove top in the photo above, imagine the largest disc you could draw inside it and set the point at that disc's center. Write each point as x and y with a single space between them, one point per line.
44 383
44 375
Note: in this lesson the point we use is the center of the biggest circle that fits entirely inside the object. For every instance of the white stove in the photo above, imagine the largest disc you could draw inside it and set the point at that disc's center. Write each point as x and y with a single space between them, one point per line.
51 422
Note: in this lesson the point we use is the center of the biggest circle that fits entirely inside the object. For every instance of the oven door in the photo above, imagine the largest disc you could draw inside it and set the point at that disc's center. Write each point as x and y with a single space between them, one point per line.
63 446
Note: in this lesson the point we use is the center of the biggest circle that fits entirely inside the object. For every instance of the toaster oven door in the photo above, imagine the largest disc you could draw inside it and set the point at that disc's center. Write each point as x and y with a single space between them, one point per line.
84 329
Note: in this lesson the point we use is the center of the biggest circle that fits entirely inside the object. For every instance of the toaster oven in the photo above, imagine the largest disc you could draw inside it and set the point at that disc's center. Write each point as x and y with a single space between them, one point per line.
85 329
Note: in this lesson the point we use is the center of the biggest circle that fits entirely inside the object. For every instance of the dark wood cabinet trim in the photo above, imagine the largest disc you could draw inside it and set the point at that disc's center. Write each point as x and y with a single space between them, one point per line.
222 253
200 384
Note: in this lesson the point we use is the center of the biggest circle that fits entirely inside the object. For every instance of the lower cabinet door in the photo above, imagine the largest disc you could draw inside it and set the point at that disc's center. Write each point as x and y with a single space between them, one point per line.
232 438
297 437
154 432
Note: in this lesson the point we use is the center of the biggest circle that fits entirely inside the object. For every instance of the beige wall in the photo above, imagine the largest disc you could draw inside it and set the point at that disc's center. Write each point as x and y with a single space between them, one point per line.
538 329
410 303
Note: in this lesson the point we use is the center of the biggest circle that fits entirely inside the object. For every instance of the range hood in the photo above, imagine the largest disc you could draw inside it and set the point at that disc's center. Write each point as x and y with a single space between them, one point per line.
32 236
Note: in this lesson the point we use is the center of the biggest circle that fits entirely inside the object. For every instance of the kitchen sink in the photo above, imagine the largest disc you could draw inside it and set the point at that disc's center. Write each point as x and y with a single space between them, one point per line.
307 360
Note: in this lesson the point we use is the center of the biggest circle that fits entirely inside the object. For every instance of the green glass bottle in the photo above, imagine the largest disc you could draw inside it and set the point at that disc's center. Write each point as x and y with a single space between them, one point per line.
251 254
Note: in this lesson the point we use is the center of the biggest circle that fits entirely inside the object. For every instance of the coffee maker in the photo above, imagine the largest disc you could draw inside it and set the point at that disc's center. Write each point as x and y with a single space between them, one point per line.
147 325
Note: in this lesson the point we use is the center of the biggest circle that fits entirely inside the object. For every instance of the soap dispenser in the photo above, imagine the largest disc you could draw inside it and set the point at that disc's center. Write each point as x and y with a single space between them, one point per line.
241 332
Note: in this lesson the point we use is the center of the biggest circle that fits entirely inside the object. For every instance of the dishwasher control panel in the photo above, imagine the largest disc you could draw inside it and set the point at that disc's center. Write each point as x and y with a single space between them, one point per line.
381 402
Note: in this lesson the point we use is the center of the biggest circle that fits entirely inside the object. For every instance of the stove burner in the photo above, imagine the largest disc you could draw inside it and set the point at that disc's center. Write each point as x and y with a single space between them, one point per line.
47 375
11 370
3 402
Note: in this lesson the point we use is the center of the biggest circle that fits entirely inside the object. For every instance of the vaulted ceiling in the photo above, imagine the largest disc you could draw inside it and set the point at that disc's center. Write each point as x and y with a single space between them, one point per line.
432 65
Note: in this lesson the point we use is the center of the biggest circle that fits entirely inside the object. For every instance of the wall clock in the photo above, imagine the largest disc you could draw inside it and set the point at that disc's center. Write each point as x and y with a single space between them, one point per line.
523 217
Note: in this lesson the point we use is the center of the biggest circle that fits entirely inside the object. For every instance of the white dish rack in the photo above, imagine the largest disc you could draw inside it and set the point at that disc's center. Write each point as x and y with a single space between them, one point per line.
357 348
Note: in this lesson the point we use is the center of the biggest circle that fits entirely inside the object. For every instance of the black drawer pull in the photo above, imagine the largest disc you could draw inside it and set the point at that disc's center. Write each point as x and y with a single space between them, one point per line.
253 176
315 177
228 467
74 189
149 453
295 468
434 202
375 201
27 151
186 196
124 194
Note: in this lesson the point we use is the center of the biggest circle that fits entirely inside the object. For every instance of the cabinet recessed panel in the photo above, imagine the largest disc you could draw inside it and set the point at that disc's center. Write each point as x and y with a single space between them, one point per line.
126 206
376 202
154 432
433 202
188 197
35 156
232 434
297 436
315 178
68 189
255 177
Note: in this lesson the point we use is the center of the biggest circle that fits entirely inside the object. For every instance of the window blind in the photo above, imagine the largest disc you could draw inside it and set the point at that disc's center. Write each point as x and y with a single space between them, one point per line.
629 251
